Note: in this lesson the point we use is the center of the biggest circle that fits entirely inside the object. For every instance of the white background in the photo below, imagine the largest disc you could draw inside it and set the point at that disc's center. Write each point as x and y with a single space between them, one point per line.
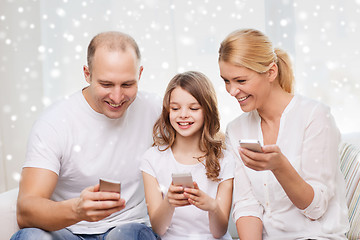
43 48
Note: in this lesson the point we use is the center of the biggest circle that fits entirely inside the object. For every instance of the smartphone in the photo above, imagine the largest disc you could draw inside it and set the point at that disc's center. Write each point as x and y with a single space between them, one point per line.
251 144
107 185
182 179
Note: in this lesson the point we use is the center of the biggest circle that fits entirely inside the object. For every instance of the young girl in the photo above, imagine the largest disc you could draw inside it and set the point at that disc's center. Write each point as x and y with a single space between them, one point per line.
187 139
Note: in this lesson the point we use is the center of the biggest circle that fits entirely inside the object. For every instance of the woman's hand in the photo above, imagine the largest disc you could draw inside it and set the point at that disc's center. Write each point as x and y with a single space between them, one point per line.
199 198
271 158
296 188
175 196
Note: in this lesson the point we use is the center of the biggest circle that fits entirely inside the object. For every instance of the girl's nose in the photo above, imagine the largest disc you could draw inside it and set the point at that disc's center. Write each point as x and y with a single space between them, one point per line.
184 113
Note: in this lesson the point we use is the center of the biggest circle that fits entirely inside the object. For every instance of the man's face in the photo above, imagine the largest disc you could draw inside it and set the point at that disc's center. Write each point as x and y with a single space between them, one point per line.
113 81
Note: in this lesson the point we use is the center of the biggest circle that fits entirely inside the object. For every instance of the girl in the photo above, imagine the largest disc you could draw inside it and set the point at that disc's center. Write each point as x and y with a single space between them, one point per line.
296 189
187 139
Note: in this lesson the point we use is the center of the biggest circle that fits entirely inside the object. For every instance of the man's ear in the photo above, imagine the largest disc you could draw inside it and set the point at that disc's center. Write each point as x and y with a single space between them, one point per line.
140 72
87 73
273 72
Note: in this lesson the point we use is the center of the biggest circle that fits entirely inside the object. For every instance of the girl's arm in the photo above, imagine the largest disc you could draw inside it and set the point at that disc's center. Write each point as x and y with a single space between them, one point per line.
219 208
161 209
219 217
249 228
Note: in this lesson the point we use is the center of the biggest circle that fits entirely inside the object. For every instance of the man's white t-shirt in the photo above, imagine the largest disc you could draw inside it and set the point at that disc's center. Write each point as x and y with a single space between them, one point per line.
188 222
81 146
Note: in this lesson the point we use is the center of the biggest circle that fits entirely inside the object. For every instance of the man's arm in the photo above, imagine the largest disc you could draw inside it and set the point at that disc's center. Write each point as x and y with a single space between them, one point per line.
35 209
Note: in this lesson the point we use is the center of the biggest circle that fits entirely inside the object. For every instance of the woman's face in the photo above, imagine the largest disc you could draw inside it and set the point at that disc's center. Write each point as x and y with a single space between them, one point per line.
250 88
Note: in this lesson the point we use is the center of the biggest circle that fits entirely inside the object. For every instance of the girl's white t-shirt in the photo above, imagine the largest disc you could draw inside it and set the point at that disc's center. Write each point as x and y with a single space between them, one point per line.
188 222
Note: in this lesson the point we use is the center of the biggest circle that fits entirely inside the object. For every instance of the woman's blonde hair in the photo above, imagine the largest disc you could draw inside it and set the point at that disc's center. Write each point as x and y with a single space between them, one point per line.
212 140
252 49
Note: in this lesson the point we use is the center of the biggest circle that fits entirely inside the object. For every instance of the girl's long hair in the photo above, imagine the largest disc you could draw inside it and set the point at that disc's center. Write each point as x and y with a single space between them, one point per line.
211 140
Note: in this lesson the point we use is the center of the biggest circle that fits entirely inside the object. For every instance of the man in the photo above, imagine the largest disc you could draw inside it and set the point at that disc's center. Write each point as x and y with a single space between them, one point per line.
99 132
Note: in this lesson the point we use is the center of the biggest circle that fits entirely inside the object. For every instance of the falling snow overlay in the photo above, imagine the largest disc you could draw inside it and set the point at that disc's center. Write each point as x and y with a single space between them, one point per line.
43 46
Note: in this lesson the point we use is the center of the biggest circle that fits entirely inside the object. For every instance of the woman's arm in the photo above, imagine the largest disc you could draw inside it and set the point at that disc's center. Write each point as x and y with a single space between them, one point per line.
310 187
249 228
299 192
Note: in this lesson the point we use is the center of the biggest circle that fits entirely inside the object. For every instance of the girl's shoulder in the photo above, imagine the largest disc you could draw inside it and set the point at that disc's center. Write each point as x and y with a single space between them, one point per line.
227 165
228 159
155 151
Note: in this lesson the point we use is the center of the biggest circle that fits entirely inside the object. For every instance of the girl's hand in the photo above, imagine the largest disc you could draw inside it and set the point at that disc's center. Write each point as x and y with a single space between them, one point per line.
175 196
271 158
200 199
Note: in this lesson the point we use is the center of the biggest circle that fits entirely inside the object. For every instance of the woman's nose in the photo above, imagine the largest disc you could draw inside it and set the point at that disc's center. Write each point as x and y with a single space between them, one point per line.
234 90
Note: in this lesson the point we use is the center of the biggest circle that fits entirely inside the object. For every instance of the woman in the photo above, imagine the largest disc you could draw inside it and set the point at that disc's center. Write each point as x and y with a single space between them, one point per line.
294 188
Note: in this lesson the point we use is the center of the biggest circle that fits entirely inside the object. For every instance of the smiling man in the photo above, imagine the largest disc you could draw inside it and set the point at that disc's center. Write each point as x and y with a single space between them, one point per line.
98 132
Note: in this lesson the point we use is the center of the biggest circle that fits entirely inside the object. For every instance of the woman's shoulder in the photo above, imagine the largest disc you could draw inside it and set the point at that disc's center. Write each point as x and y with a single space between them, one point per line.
245 117
311 106
310 103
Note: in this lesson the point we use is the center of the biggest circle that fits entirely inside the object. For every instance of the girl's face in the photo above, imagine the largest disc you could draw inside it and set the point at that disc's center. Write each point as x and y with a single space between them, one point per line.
250 88
186 115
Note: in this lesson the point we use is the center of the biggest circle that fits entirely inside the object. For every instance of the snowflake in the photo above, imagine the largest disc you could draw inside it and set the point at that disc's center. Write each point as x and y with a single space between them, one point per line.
165 65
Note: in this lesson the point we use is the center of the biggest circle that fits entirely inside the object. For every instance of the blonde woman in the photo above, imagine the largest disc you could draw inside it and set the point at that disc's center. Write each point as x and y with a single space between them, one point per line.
293 189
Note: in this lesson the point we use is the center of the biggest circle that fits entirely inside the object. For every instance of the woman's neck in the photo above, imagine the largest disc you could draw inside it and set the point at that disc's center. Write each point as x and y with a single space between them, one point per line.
275 105
271 114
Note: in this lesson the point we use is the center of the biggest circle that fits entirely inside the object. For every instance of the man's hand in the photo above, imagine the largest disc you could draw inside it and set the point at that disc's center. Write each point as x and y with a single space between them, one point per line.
93 205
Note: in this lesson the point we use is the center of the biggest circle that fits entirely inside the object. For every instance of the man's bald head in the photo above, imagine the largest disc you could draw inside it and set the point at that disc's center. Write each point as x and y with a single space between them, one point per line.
113 41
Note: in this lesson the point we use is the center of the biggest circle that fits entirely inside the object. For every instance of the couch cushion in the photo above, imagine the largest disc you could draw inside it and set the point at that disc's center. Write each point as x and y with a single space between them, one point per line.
350 166
8 223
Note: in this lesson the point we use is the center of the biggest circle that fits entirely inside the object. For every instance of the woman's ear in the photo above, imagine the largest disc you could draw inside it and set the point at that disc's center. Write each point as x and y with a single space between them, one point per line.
273 72
87 73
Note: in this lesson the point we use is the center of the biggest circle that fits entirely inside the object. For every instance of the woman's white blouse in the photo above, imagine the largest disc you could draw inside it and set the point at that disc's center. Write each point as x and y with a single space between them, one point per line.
309 138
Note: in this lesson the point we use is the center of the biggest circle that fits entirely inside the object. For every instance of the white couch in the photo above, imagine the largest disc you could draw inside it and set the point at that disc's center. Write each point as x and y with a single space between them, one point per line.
350 166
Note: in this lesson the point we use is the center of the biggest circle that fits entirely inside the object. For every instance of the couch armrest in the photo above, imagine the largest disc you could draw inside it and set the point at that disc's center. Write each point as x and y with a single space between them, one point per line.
8 222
